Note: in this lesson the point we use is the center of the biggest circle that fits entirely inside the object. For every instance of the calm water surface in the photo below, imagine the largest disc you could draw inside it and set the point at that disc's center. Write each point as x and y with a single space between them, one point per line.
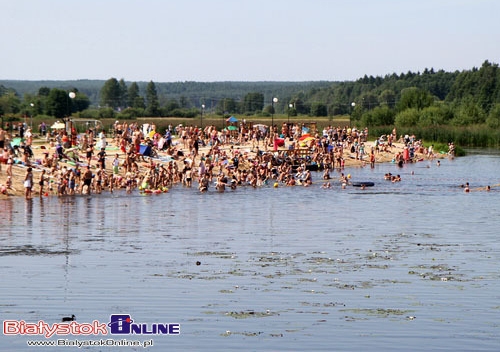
412 265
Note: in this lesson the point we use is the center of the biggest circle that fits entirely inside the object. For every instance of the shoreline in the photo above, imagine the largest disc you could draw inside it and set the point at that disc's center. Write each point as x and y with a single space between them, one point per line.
40 146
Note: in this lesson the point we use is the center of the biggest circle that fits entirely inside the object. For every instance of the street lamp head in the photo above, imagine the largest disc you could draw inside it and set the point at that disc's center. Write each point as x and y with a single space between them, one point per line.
353 104
32 105
275 100
203 106
290 105
72 95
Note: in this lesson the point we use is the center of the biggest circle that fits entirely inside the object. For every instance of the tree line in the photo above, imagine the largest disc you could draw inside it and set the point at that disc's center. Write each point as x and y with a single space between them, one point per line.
428 98
470 97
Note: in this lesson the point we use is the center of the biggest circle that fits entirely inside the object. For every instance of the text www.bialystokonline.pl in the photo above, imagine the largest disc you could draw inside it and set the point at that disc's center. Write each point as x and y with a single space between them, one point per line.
87 343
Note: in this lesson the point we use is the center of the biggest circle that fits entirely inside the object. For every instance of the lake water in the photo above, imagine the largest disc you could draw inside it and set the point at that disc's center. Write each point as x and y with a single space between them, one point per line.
413 265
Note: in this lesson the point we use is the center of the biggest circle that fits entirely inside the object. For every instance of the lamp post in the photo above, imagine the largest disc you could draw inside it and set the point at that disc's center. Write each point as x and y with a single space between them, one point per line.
288 129
201 113
31 117
71 96
275 100
353 104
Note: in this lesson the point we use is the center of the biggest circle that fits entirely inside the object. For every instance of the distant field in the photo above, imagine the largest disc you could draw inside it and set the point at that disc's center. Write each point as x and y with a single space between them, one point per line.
163 122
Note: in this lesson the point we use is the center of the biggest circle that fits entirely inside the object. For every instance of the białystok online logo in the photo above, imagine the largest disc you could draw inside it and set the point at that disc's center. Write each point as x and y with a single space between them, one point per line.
119 324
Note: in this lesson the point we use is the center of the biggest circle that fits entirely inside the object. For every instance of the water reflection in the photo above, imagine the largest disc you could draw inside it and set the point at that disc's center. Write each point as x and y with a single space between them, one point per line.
6 216
28 213
278 267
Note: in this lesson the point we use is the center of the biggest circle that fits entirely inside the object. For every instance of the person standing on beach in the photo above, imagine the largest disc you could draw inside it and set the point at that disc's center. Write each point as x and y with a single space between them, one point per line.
102 158
102 139
136 140
41 182
168 139
21 130
123 145
89 152
116 166
28 183
10 161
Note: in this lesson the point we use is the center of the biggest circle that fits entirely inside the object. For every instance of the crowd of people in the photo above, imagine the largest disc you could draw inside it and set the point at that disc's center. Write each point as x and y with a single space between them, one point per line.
244 156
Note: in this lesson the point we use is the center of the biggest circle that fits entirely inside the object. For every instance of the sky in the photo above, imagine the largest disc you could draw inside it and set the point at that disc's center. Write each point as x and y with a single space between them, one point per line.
243 40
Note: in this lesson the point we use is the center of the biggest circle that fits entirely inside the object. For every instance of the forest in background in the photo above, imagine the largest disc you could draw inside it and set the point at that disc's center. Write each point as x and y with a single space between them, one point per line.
463 106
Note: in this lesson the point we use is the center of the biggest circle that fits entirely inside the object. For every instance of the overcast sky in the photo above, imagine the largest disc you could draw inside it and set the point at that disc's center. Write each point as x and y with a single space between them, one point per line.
243 40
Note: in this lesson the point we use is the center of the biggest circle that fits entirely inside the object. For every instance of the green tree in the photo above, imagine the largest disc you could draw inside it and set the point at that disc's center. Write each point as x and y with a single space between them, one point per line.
10 103
58 103
407 118
300 106
123 93
107 113
41 101
387 97
380 116
488 85
130 113
132 93
318 109
468 113
482 85
253 102
414 98
226 106
139 103
269 110
4 90
493 119
152 104
184 102
437 114
171 105
111 93
356 112
80 102
43 91
369 100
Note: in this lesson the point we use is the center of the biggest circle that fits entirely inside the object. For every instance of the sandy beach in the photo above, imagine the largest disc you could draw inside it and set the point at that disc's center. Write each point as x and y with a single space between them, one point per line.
41 146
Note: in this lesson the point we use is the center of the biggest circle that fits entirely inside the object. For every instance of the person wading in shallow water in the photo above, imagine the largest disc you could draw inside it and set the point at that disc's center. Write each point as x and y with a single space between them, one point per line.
28 183
87 181
372 160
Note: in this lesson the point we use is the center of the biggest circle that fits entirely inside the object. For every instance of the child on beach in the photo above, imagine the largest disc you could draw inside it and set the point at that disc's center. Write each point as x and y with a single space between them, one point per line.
8 183
102 158
28 183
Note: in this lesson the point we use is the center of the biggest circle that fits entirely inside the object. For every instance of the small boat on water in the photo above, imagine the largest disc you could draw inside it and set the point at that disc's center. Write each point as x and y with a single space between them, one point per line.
363 184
